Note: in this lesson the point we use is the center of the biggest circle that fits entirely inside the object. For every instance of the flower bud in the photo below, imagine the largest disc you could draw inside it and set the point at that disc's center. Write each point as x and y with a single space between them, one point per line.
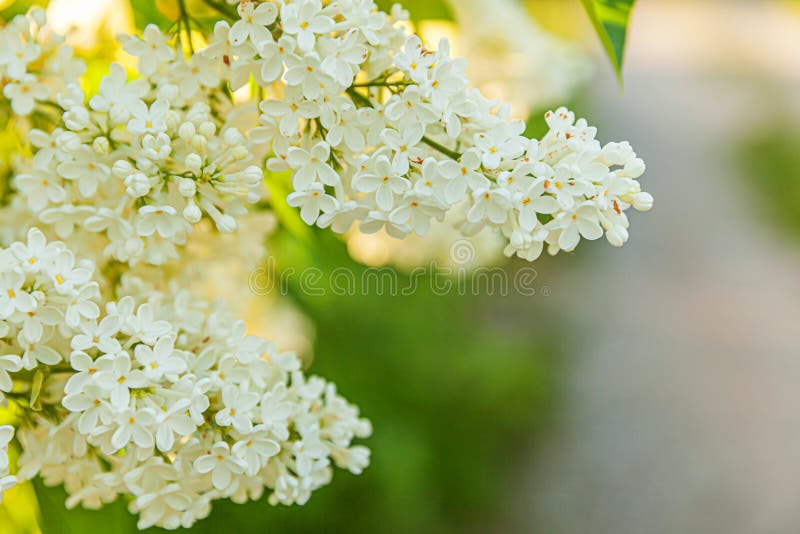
643 201
68 141
134 246
119 115
137 185
186 131
207 128
172 119
168 91
634 168
232 137
122 168
194 163
199 143
100 145
617 235
192 213
252 175
240 152
225 223
187 188
77 118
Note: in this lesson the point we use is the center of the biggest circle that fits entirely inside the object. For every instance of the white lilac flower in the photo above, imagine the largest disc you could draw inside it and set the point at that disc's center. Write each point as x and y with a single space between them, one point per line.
7 481
377 129
24 93
152 50
200 408
253 23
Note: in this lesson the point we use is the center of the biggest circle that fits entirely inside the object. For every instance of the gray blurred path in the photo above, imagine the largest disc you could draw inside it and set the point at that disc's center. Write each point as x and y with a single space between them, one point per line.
682 408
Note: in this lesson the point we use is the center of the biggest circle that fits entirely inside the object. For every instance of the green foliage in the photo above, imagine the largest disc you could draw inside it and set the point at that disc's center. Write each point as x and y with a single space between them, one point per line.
769 161
56 519
421 9
280 185
19 7
146 12
610 20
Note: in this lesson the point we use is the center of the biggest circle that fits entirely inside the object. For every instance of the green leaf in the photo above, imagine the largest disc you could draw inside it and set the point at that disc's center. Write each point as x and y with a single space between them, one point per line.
36 391
610 20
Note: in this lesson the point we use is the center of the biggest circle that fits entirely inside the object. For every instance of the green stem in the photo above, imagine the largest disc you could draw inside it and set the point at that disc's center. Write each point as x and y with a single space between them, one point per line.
383 84
186 24
441 148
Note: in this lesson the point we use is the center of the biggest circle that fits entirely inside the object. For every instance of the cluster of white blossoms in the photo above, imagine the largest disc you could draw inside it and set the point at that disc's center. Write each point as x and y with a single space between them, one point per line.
376 128
7 481
143 160
35 64
380 129
125 387
200 410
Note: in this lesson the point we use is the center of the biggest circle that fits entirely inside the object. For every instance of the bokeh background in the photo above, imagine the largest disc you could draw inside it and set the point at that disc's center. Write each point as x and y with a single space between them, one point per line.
652 389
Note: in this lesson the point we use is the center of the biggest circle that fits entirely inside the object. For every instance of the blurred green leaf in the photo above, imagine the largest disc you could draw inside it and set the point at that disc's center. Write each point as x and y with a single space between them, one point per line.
20 7
421 9
767 159
280 185
56 519
610 20
146 12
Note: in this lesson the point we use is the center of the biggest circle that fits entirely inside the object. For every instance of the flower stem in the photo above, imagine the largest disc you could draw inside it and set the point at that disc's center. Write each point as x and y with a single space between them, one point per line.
184 17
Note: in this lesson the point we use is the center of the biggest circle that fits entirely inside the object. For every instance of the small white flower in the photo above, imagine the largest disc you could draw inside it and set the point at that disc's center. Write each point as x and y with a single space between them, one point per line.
312 165
161 219
253 23
152 51
10 363
12 295
134 426
311 202
86 368
40 188
386 180
172 422
582 223
92 404
98 336
304 20
221 464
255 449
120 378
160 361
24 94
85 170
148 119
238 410
116 96
491 204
